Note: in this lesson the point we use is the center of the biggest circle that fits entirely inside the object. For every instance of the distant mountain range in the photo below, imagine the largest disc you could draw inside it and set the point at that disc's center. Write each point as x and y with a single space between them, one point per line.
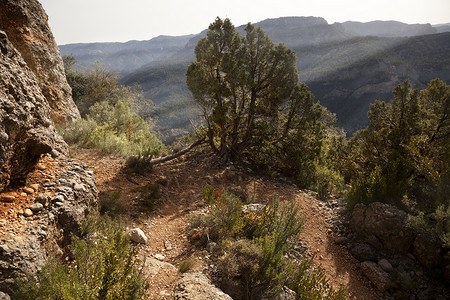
346 65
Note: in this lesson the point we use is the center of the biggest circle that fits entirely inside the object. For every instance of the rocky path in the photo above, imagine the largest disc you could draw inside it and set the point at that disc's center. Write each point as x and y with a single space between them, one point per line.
182 183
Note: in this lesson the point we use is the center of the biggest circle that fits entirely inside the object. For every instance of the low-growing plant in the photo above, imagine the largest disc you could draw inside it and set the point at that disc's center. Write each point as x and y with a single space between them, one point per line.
187 265
109 203
102 265
255 245
225 210
310 283
78 132
242 266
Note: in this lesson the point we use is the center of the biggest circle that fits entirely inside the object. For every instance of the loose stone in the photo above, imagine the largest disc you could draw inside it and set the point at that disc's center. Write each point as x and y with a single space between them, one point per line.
78 187
27 212
36 207
159 257
40 167
59 198
54 153
7 198
28 190
138 236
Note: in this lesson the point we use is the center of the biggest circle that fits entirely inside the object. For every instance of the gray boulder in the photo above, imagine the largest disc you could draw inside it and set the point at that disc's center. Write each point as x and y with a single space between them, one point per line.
137 236
196 286
385 225
363 251
376 275
428 250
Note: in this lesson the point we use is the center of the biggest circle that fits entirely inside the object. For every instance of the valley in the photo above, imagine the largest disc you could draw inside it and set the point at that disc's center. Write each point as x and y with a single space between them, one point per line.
346 65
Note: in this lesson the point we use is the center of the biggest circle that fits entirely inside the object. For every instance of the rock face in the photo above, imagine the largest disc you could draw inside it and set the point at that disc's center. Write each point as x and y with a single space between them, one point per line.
196 286
51 228
385 228
26 131
57 192
25 23
383 225
378 277
406 256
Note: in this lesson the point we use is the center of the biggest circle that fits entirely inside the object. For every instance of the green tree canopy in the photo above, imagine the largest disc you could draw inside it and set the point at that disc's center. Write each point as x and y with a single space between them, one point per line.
250 94
405 150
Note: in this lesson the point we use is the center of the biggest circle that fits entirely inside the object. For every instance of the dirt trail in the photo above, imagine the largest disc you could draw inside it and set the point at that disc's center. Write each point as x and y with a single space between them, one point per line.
166 225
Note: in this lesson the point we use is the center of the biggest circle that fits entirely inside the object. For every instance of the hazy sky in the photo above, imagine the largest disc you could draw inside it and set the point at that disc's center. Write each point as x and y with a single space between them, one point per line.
74 21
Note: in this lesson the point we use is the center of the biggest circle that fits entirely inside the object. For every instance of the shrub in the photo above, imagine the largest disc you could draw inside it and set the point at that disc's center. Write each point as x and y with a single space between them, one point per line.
401 157
78 132
255 247
187 265
241 265
115 117
141 163
225 214
103 265
311 284
109 203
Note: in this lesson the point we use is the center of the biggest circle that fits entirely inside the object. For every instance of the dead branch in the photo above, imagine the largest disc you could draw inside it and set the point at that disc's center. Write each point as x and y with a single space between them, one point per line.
178 154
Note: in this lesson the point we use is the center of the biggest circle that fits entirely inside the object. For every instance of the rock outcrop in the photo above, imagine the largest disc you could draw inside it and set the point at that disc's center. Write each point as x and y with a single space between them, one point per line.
196 286
27 239
396 257
26 131
44 194
25 23
384 226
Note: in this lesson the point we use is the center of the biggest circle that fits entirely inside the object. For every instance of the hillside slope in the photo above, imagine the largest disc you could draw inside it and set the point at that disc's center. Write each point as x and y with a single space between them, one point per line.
345 69
125 57
348 89
167 227
345 76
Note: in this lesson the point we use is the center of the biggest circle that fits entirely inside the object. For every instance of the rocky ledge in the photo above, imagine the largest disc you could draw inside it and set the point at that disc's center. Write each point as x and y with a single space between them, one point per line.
400 261
39 217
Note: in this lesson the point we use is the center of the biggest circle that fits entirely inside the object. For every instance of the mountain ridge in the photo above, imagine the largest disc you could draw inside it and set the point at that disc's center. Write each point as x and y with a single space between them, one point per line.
323 50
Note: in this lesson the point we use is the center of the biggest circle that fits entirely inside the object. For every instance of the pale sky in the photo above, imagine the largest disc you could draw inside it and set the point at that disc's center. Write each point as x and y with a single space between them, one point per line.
76 21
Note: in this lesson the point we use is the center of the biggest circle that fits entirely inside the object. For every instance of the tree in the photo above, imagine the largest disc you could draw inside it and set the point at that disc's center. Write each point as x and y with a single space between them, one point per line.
240 83
255 107
101 85
404 152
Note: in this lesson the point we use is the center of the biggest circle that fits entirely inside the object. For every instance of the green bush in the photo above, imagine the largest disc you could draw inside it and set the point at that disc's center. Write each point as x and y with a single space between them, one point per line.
225 214
242 266
79 132
401 157
255 245
187 265
311 284
115 117
103 265
114 129
109 203
141 163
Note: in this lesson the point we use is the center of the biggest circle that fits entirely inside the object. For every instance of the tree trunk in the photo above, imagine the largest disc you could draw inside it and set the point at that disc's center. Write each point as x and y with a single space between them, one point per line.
178 154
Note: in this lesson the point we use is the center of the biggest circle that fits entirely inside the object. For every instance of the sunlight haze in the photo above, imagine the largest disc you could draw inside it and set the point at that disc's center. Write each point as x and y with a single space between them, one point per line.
119 21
